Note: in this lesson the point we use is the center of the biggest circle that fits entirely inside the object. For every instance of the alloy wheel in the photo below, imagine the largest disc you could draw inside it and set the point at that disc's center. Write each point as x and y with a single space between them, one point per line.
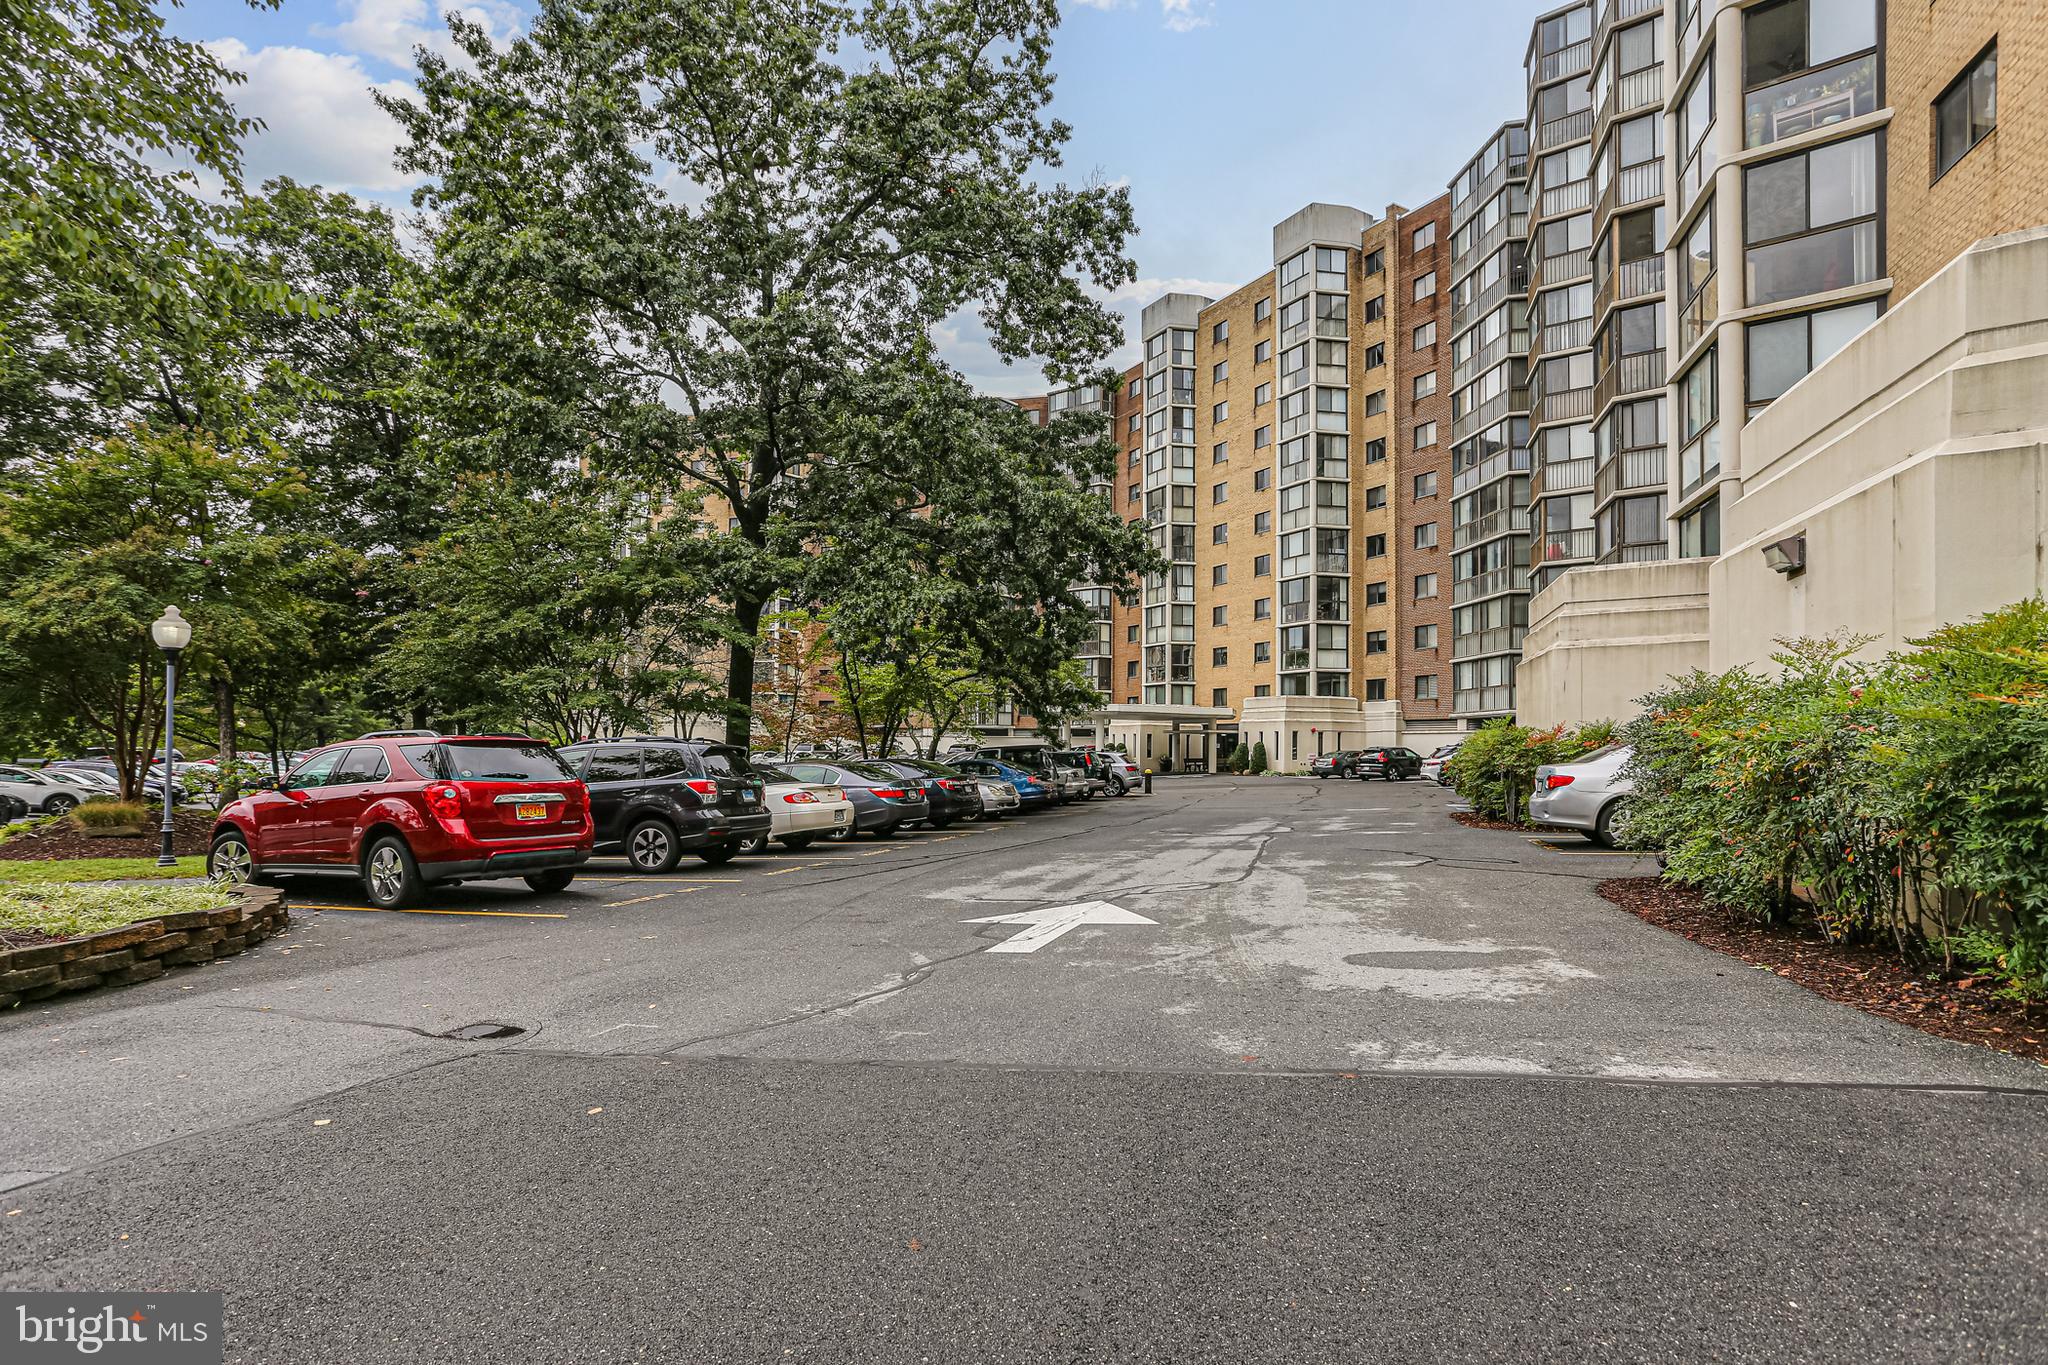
650 847
230 862
387 873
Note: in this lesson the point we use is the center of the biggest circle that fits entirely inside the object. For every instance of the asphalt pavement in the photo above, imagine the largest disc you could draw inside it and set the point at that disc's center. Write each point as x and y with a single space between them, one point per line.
1291 1070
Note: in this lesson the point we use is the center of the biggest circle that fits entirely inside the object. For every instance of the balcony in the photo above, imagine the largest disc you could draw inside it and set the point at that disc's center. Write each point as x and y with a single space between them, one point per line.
1576 126
1512 282
1558 269
1487 413
1636 554
1566 405
1516 461
1620 12
1570 335
1489 584
1694 25
1699 315
1628 376
1632 93
1498 640
1487 356
1557 546
1495 523
1567 476
1633 185
1630 281
1575 60
1813 100
1512 226
1510 168
1569 197
1630 470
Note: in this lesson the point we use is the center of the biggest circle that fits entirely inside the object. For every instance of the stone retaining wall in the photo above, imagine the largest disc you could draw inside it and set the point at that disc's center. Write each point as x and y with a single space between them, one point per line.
143 950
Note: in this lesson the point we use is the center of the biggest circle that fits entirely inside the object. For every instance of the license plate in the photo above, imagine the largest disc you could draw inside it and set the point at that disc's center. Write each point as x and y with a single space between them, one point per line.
839 817
531 810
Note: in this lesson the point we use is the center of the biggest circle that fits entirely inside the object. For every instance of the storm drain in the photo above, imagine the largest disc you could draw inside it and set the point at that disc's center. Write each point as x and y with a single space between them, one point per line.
484 1032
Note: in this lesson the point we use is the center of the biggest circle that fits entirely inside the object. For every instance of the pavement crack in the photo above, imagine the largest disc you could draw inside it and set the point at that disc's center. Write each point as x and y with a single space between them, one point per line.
917 977
305 1018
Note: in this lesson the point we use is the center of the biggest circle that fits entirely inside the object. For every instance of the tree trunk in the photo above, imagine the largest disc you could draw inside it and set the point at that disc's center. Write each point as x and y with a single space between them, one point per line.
224 711
739 675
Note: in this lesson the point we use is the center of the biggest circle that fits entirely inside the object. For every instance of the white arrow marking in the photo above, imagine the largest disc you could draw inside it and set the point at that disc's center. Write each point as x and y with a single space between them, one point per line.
1049 924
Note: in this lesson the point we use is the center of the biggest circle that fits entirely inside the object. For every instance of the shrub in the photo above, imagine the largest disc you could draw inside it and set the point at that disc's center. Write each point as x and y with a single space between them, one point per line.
98 814
1237 760
1495 768
1258 763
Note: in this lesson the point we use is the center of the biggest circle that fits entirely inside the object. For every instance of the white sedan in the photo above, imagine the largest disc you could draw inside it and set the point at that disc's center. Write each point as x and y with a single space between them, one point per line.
798 812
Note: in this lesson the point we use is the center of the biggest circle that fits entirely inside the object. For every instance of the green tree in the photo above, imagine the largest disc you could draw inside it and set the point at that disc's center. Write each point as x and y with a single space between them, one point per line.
557 610
1259 762
711 243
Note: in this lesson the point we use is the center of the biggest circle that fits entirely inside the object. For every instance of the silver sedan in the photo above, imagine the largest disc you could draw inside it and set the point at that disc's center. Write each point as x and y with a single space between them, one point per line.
1585 796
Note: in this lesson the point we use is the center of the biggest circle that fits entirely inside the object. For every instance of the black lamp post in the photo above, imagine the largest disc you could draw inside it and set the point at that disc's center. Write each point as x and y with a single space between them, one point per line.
172 632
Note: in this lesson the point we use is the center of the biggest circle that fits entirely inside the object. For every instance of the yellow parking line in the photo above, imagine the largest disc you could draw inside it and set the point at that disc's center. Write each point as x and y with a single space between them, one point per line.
687 881
379 910
785 871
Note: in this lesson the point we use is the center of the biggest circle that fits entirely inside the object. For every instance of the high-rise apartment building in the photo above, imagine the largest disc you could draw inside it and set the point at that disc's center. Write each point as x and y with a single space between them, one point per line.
1419 252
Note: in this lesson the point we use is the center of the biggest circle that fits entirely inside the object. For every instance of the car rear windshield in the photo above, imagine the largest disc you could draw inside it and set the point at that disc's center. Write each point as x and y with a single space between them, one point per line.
725 763
487 762
769 773
925 765
873 770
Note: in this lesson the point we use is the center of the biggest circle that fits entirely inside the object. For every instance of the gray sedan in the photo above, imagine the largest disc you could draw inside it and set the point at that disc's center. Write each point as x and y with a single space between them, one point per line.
1585 796
43 795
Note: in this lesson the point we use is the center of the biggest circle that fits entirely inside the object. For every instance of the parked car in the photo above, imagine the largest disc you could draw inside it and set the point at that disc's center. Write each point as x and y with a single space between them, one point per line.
87 784
1433 766
655 798
1389 764
12 808
1585 795
1124 774
1338 764
951 793
403 814
42 793
1064 781
798 811
998 798
1033 790
883 801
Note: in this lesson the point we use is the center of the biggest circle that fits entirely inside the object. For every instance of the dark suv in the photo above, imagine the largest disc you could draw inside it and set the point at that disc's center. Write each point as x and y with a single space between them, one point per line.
655 799
1388 764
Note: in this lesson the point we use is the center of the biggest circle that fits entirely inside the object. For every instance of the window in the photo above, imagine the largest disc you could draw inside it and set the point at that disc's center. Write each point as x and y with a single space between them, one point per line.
1220 333
1135 492
1219 453
1375 402
1131 669
1130 635
1812 221
1375 546
1376 496
1425 586
1806 64
1425 683
1376 308
609 765
1219 372
1375 689
1262 310
1425 336
1219 616
1425 285
1425 384
1423 238
1425 484
1262 523
1375 262
1375 355
1262 566
1425 435
1699 531
1967 112
1132 426
1785 350
1219 534
1425 536
1219 492
1375 642
1219 696
1262 438
1261 396
1262 652
1375 451
1262 351
1262 479
1376 594
1219 574
1219 657
1221 412
1425 637
1262 610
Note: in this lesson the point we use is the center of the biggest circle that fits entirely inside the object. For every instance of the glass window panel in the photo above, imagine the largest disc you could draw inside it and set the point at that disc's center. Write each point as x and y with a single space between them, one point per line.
1838 27
1776 197
1837 327
1843 181
1777 357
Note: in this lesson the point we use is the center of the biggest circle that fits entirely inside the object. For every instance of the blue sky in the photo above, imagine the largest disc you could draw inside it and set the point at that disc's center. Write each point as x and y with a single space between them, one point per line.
1223 116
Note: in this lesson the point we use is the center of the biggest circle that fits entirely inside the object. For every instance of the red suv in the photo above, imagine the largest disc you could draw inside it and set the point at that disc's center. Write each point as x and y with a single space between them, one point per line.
403 809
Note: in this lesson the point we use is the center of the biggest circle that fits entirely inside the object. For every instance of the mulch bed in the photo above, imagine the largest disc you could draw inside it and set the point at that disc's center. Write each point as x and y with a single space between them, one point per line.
1472 819
1874 981
191 831
26 938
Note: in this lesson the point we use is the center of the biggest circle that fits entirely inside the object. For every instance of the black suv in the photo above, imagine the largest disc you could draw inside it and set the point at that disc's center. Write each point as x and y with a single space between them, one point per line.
654 798
1388 764
951 793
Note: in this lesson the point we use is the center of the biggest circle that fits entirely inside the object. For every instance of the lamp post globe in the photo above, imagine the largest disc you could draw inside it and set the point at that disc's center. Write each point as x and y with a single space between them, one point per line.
171 633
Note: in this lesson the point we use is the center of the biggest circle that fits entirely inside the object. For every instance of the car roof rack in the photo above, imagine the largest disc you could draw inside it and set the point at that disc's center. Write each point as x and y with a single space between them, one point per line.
401 734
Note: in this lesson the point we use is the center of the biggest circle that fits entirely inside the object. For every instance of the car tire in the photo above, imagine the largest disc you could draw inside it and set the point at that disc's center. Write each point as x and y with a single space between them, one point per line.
1117 787
60 804
1603 825
885 832
718 855
553 880
391 879
753 843
652 847
845 833
797 841
232 849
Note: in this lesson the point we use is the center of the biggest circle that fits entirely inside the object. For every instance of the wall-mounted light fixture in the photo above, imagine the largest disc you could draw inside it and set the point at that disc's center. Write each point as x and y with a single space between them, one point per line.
1787 556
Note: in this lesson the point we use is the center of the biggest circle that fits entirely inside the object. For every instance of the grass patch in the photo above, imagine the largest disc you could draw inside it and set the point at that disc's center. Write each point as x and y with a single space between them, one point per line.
67 911
62 870
33 822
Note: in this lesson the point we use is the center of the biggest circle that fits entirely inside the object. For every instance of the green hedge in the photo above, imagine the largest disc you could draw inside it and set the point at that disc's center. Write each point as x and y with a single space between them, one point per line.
1495 768
1905 799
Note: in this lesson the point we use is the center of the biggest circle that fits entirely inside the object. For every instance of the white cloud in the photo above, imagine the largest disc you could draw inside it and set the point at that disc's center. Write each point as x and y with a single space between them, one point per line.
1142 292
1100 4
389 30
320 125
1185 16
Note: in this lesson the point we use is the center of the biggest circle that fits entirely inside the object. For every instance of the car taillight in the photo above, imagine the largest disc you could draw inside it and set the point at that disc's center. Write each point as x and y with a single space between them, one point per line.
445 802
888 791
948 783
703 786
1556 780
800 798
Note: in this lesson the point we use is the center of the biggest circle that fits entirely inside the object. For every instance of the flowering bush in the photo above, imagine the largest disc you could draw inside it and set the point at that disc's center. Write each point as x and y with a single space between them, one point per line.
1495 767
